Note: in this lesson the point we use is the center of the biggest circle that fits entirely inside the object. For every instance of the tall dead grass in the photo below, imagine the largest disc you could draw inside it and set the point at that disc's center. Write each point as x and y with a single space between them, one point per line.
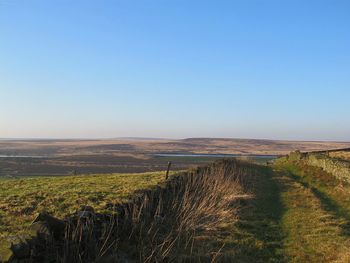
159 225
200 202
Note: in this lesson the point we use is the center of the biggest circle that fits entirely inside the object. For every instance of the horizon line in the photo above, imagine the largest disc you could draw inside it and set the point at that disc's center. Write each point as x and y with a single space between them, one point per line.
156 138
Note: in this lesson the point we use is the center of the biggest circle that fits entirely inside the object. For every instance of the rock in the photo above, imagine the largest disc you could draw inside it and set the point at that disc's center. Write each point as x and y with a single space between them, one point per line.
20 246
338 168
54 225
40 228
21 250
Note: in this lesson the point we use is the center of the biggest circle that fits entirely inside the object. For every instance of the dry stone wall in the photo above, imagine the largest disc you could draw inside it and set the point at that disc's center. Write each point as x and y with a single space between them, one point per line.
338 168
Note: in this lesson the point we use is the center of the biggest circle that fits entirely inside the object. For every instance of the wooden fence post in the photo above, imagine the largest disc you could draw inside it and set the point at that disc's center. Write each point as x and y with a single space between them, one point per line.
167 171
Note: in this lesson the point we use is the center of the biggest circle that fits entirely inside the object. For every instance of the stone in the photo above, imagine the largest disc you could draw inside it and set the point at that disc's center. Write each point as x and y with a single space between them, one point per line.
54 225
338 168
21 250
39 228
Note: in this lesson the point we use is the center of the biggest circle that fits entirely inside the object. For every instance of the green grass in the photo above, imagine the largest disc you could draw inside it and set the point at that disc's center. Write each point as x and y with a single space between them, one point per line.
257 236
315 220
255 233
334 194
296 214
21 199
292 213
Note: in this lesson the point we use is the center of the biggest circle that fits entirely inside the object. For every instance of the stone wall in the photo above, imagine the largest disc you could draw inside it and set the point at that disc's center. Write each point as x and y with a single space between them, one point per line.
340 169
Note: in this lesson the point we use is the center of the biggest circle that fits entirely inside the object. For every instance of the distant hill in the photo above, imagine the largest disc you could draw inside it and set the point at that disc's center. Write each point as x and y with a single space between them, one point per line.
139 145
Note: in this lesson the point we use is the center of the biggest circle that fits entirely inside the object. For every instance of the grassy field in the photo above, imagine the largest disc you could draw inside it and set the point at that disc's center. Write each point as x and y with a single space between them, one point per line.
21 199
287 212
189 206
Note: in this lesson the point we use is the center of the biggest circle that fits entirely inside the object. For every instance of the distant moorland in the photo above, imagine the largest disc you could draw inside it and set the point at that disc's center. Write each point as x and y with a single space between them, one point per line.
125 155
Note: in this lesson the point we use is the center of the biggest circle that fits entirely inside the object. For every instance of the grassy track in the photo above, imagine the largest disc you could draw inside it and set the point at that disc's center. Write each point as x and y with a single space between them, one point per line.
21 199
257 235
297 214
316 220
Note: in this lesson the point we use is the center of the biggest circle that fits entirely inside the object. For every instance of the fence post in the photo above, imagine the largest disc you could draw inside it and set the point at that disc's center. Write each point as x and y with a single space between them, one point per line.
167 171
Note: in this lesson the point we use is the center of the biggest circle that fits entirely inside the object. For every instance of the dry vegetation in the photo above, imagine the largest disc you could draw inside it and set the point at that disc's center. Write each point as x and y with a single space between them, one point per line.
231 211
138 148
344 155
294 213
64 157
163 225
160 225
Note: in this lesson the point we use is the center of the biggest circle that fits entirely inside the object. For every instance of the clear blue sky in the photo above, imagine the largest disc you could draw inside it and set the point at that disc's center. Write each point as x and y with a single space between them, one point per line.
174 69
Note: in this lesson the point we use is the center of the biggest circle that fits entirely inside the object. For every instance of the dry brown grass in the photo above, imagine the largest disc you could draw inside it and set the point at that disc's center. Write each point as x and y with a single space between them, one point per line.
344 155
205 200
159 225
